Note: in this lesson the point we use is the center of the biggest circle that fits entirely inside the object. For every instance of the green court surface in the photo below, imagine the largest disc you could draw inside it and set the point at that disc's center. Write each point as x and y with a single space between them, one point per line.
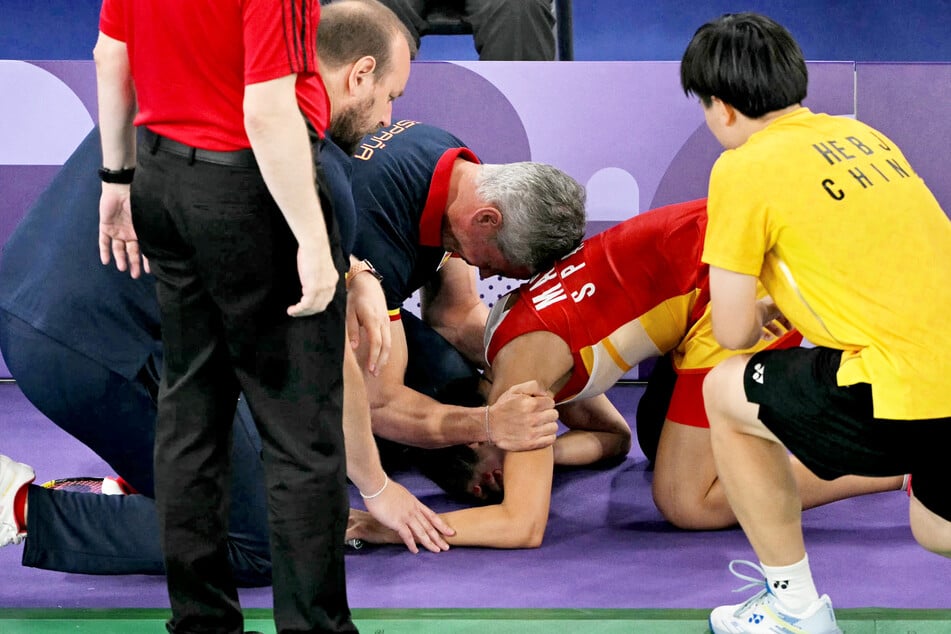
469 621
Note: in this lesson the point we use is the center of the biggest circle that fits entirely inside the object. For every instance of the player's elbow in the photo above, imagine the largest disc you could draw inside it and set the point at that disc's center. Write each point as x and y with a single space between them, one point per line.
527 529
530 536
735 335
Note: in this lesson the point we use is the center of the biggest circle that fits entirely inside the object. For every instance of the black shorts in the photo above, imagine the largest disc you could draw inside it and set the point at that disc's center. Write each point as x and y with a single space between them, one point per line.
831 429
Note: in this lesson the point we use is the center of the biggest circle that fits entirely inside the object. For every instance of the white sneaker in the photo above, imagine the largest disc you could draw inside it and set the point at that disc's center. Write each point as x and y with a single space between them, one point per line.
13 476
764 613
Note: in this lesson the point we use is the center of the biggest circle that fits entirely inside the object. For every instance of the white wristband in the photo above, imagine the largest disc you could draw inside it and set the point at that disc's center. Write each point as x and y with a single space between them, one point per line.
386 481
488 433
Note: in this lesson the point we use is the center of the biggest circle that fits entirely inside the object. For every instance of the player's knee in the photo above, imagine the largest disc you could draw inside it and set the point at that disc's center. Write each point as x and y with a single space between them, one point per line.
715 386
930 530
691 515
938 544
722 387
690 511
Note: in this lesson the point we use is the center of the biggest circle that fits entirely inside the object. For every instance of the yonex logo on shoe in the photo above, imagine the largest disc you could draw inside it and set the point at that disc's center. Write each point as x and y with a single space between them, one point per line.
763 612
758 370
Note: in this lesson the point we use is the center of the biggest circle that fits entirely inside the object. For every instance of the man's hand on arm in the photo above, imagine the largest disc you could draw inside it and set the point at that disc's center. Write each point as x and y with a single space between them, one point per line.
389 503
523 418
413 522
523 414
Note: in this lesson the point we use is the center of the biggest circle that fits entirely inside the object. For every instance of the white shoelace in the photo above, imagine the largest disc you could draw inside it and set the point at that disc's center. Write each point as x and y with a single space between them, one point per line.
753 582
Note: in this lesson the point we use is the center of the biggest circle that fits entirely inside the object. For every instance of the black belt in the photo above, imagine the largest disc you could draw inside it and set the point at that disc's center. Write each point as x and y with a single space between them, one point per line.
238 158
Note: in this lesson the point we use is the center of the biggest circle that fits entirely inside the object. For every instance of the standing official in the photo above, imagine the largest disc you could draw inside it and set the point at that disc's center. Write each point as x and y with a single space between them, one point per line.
248 266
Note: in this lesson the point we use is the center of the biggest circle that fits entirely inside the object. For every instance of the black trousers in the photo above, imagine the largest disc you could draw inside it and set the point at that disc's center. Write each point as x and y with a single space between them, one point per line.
225 264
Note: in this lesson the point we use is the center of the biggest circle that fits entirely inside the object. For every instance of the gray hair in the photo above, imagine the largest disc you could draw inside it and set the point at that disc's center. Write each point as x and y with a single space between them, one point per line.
543 211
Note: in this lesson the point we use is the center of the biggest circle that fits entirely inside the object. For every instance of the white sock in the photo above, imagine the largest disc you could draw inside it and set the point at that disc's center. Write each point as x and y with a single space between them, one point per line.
792 585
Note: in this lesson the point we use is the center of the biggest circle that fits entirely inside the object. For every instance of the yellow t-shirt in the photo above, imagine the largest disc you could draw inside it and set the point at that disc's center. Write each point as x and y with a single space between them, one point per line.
853 247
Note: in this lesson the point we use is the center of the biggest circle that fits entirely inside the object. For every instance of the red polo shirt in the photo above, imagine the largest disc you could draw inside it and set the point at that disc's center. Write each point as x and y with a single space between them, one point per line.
191 61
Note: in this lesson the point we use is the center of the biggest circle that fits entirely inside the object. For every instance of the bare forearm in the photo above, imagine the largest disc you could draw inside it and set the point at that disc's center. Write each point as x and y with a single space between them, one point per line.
409 417
466 335
744 333
579 447
363 459
278 135
737 322
596 431
452 306
495 526
519 521
117 105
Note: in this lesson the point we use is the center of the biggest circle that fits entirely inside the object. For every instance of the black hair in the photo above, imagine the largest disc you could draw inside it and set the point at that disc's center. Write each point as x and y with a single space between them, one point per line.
747 61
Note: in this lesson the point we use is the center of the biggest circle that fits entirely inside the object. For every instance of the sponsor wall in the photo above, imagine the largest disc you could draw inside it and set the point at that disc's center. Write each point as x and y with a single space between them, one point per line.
623 129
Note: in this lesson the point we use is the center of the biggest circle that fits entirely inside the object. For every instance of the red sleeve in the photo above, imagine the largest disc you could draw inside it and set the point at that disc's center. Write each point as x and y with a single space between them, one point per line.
280 38
112 19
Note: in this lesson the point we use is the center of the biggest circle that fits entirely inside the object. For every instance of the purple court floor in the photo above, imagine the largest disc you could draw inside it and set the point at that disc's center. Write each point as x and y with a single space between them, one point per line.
606 547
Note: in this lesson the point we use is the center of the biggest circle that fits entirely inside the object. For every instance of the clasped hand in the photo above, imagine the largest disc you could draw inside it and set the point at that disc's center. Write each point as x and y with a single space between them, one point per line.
523 418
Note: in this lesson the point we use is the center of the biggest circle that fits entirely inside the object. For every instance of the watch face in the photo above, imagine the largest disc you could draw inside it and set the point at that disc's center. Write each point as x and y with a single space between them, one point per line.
372 270
364 265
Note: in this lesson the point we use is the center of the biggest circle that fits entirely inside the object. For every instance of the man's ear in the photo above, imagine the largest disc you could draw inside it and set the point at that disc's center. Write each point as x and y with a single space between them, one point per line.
360 77
487 218
724 112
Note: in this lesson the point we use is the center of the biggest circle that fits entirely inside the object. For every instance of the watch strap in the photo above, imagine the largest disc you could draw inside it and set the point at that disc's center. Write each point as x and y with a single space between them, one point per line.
119 177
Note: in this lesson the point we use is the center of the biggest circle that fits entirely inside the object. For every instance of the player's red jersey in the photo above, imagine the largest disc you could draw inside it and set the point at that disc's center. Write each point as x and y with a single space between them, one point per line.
626 294
635 291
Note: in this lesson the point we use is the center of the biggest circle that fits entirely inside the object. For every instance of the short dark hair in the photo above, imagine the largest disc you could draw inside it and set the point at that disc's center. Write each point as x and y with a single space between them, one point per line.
452 468
747 61
351 29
